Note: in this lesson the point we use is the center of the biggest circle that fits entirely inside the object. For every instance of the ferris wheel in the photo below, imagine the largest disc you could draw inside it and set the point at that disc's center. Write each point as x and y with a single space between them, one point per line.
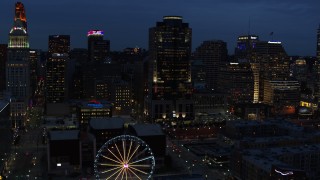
124 157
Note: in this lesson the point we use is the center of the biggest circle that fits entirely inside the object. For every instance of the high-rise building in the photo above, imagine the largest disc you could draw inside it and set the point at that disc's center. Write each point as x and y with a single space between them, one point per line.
318 44
245 46
34 64
3 60
316 68
237 80
17 67
56 81
170 82
271 62
98 48
212 54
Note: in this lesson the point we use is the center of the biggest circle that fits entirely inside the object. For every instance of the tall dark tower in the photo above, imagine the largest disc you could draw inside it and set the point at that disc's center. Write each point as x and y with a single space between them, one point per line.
17 67
170 49
318 44
3 60
58 56
98 48
212 54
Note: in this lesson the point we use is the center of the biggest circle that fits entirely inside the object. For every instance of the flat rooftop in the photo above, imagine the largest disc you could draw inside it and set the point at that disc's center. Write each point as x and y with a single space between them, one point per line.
64 135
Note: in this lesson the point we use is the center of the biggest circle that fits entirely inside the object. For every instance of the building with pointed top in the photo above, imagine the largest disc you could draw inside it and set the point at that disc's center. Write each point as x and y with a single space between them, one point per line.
17 67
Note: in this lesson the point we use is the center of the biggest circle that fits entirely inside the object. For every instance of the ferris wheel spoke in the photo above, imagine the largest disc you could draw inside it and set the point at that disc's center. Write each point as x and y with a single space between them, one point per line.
110 165
143 159
111 159
133 153
113 169
140 165
122 169
126 172
140 153
119 152
115 173
114 155
134 173
124 150
129 151
139 170
124 158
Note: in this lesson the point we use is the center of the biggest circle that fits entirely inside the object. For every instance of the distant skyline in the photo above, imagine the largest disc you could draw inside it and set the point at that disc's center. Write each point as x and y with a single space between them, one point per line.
126 23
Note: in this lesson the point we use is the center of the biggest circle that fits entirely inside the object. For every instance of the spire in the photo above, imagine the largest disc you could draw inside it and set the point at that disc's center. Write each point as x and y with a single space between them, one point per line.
18 37
20 14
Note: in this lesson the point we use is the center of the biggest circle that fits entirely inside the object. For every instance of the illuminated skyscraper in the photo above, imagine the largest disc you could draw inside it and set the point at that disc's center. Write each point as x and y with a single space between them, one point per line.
212 54
98 48
59 49
21 14
17 67
170 82
245 46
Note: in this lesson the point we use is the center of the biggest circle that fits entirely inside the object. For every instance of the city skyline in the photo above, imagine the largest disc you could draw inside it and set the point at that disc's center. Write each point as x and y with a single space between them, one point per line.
292 22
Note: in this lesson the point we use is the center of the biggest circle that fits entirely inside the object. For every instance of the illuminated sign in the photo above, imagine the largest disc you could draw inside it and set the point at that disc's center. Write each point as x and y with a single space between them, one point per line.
274 42
287 173
95 33
59 164
95 104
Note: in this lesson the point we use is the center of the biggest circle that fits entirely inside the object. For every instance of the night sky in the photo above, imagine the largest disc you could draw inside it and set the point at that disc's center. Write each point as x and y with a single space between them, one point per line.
126 22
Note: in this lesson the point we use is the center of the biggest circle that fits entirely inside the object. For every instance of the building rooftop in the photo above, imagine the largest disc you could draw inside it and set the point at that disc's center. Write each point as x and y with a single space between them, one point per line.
147 129
107 123
64 135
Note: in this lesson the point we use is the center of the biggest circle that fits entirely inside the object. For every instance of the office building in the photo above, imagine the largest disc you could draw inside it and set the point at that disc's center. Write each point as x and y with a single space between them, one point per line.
3 60
316 68
283 95
245 46
98 48
18 67
56 74
170 72
237 80
271 62
318 44
212 54
92 109
34 59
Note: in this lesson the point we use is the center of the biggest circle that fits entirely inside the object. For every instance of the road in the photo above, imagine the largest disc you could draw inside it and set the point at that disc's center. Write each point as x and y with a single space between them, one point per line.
5 141
190 162
27 157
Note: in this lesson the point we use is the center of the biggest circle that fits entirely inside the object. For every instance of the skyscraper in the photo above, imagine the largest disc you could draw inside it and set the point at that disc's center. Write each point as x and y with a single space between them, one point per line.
318 44
34 59
3 60
213 54
170 49
245 46
56 84
98 48
272 62
17 67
